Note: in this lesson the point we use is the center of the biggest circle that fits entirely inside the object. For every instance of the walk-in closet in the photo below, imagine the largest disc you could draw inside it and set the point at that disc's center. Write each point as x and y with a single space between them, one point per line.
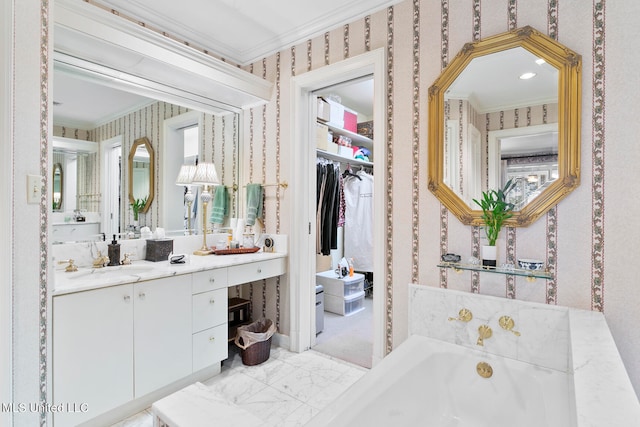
344 221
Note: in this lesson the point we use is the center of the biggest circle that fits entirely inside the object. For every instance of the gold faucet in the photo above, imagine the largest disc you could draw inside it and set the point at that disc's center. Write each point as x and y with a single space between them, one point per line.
71 267
484 332
100 261
507 324
464 315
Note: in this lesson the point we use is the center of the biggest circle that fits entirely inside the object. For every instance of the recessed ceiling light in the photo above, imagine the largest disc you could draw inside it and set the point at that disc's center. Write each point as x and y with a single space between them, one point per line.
527 76
540 61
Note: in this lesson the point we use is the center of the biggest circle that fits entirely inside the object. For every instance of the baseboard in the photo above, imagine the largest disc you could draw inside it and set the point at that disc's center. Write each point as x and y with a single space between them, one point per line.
280 340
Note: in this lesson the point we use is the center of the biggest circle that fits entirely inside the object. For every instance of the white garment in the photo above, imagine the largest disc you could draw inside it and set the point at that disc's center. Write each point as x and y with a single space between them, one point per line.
358 221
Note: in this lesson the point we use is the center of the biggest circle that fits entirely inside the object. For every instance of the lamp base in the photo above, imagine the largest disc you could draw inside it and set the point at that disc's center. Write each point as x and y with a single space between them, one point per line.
203 251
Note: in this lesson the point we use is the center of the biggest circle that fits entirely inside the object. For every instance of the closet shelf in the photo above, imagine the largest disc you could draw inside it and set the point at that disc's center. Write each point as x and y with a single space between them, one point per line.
343 159
356 138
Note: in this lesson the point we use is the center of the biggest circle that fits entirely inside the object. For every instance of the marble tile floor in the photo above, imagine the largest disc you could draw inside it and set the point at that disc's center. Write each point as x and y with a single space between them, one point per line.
285 391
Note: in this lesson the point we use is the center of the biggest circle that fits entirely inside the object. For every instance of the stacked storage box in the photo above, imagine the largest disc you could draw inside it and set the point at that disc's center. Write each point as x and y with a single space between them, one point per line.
342 296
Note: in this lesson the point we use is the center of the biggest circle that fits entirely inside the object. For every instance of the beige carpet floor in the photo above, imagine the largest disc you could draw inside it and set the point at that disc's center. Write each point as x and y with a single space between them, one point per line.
348 338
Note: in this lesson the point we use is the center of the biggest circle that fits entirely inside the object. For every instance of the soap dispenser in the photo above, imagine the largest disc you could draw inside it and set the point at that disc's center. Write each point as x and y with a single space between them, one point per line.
114 252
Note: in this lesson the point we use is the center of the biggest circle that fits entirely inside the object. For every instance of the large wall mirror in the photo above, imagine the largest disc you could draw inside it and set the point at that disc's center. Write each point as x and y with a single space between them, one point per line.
506 107
141 173
164 80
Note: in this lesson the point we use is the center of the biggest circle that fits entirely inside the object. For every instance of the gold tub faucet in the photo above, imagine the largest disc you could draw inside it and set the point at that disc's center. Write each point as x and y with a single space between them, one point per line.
484 332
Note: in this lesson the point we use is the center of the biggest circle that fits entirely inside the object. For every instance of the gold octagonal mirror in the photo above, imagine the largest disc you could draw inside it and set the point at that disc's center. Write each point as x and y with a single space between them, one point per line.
506 107
141 173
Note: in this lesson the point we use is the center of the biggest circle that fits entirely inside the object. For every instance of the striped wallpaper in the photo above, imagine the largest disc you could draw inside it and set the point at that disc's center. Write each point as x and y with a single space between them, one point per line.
583 240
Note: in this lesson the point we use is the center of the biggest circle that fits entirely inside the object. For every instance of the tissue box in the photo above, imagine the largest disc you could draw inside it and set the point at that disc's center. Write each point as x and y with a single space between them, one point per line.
159 249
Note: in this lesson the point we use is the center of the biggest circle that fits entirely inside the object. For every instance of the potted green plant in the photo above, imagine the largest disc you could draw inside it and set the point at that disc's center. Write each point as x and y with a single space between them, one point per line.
495 211
137 206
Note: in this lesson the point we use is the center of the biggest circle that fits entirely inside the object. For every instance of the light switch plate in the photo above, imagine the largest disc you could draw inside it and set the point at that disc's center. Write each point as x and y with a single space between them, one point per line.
34 189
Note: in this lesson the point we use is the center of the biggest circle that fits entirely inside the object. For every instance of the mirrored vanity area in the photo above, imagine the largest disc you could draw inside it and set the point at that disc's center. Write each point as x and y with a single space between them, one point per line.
141 329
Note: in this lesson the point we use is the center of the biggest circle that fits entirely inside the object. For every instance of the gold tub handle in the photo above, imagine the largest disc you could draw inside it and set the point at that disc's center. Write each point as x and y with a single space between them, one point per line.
507 323
464 315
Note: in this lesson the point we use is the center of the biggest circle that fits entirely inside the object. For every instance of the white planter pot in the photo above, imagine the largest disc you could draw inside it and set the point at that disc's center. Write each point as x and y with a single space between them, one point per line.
489 255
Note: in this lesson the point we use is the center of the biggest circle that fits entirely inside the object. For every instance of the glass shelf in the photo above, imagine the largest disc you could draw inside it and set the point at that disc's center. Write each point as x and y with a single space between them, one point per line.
529 274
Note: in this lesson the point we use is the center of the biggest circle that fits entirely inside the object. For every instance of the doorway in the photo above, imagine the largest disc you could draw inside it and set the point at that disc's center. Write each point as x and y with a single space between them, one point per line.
302 268
344 226
111 183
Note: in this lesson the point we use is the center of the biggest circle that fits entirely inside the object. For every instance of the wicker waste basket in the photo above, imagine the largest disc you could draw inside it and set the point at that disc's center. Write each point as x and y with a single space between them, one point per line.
254 341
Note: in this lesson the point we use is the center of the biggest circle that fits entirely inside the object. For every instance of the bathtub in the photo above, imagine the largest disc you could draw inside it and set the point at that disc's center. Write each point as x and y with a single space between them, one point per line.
563 370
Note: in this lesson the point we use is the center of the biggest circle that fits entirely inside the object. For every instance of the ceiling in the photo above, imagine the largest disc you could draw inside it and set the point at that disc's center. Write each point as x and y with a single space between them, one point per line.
244 31
240 31
492 82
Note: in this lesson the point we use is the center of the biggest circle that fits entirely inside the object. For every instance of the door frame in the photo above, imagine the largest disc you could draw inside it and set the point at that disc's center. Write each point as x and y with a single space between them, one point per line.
302 264
111 184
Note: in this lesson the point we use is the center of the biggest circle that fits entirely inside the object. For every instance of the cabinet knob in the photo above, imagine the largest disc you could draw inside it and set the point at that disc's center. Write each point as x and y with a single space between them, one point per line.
212 279
141 295
212 301
259 270
212 339
127 298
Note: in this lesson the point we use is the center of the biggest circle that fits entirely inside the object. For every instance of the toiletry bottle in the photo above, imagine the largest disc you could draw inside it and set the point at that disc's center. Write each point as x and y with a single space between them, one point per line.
350 267
114 252
229 239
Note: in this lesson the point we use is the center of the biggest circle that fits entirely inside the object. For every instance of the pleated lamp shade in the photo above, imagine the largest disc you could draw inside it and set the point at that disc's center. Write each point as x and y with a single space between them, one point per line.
206 174
186 174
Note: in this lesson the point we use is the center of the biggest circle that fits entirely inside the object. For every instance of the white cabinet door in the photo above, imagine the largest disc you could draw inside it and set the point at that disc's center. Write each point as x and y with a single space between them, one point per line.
162 332
92 351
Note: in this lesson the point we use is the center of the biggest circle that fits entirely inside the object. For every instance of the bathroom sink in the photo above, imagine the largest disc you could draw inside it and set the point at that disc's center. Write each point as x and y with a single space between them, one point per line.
111 272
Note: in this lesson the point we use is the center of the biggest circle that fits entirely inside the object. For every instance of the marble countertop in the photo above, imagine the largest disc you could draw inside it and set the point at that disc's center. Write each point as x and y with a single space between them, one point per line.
87 278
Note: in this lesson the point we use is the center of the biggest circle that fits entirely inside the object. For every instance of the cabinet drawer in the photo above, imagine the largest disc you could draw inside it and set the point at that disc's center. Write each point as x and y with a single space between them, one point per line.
254 271
210 346
209 280
209 309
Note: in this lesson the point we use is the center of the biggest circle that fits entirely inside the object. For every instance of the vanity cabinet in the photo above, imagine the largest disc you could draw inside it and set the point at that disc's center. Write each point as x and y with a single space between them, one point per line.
162 332
209 318
255 271
93 351
130 343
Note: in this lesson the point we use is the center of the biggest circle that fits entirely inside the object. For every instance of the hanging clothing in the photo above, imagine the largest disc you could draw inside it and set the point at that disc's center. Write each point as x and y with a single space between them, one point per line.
327 206
358 225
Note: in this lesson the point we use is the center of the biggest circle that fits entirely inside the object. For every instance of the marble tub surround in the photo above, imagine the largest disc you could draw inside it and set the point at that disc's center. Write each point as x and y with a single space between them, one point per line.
544 330
573 341
87 277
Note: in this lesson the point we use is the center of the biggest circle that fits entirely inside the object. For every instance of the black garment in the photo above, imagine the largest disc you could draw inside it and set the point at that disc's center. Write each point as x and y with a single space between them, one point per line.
328 203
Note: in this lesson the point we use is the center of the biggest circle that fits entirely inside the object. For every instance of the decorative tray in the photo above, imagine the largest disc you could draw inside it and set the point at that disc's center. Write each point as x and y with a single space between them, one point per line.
236 251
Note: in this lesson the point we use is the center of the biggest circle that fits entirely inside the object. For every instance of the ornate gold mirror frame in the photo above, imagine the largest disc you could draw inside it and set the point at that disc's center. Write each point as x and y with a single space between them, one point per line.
139 144
569 65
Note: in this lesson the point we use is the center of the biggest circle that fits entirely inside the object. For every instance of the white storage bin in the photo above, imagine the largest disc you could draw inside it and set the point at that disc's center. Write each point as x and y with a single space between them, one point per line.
344 306
340 287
